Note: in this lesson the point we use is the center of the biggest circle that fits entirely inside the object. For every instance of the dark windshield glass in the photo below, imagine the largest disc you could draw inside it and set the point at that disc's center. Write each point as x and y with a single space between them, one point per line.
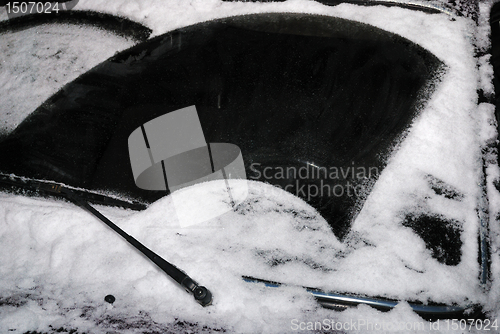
316 104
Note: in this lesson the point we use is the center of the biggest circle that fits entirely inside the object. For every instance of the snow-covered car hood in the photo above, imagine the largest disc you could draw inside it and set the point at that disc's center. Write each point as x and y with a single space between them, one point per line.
58 262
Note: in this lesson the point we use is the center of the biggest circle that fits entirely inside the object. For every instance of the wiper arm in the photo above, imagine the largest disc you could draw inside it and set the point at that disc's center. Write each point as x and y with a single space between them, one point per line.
201 294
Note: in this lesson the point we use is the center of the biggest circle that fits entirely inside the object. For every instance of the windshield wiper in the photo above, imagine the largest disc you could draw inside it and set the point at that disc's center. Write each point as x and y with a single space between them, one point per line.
341 301
201 294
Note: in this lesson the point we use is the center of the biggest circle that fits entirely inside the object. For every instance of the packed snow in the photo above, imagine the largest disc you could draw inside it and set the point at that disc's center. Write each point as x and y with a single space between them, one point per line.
58 262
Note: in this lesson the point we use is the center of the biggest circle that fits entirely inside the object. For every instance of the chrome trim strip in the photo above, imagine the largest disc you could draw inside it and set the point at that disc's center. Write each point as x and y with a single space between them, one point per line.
344 300
435 6
384 304
483 214
430 6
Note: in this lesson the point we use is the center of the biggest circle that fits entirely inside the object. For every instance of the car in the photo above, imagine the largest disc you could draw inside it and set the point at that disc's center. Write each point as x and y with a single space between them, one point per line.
281 156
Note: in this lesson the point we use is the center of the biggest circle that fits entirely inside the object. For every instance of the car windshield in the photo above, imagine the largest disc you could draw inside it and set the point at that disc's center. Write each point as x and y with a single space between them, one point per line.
354 139
317 118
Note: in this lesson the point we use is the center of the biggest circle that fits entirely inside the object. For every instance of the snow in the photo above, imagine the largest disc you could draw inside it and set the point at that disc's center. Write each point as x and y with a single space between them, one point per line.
58 262
32 61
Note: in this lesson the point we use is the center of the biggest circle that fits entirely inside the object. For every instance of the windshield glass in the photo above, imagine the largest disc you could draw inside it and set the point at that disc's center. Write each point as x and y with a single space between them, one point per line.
361 150
318 117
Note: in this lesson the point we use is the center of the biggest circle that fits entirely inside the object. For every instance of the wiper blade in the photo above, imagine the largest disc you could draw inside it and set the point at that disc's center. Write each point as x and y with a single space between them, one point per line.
54 189
340 301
